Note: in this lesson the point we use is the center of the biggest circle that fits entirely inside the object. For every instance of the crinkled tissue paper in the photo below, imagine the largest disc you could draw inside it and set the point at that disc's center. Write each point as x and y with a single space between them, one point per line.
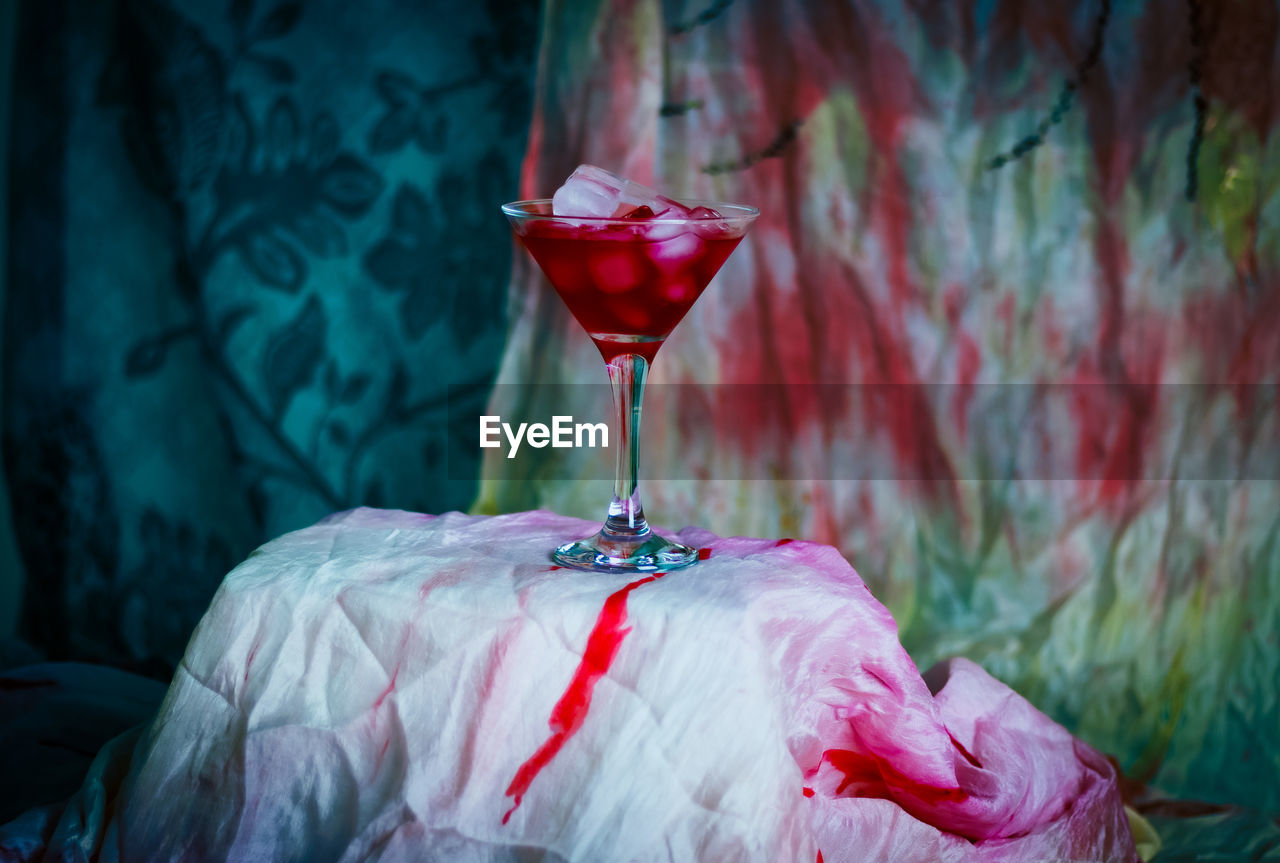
389 686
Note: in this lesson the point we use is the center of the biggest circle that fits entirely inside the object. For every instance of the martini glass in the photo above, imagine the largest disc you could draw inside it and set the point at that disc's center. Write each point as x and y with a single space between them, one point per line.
628 282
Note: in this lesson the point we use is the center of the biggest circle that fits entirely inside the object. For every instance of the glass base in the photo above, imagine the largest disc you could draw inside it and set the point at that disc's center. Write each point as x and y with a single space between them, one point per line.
604 553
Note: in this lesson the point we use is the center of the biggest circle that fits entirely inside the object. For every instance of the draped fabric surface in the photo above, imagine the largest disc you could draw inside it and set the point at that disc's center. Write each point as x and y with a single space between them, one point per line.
397 687
1040 290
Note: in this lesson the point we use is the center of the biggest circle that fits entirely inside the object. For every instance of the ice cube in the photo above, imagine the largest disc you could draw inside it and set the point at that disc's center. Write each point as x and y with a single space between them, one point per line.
711 224
597 193
676 253
654 230
715 227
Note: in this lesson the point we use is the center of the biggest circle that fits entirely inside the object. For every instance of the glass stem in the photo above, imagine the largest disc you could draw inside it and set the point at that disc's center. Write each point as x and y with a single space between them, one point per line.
626 521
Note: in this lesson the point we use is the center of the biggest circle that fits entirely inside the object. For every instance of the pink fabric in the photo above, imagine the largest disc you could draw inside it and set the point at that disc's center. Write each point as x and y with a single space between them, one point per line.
396 687
1025 781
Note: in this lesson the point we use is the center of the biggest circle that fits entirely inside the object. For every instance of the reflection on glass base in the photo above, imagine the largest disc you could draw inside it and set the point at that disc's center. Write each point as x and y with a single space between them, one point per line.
601 553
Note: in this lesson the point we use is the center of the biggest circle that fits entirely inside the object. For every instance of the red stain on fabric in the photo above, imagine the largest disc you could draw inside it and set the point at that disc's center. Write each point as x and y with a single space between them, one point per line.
783 541
253 652
965 752
391 687
807 791
874 777
819 857
704 554
444 579
571 710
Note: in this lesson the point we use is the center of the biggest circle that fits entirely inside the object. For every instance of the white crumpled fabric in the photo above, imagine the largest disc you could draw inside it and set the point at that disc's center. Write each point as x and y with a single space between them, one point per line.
397 687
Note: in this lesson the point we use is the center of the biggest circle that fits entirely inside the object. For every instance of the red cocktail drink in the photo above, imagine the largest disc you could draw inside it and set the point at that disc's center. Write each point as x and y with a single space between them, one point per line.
628 275
628 285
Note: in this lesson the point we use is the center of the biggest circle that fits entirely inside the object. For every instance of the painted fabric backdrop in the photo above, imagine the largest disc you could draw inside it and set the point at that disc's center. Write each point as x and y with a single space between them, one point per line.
252 244
1048 223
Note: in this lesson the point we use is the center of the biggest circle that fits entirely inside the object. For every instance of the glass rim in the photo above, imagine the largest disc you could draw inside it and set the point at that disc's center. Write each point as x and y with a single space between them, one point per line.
738 213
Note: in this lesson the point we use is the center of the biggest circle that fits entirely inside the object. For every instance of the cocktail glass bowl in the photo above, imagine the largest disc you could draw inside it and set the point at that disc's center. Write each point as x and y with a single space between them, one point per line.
629 282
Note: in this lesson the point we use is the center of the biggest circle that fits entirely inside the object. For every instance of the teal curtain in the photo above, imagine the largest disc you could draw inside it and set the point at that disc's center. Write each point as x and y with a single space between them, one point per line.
256 247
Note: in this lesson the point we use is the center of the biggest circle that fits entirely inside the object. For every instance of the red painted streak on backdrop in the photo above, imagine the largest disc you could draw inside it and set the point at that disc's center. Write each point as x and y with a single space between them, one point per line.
1110 452
571 710
1238 334
864 350
968 363
1116 407
529 185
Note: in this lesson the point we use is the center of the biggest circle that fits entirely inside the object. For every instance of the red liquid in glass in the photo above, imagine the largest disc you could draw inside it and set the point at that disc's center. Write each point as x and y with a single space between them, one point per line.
629 286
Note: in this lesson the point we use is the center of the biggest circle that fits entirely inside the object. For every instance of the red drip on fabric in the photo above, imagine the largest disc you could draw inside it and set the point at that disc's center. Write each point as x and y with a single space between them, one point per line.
819 860
253 652
571 710
784 541
807 791
444 579
878 778
390 688
704 553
